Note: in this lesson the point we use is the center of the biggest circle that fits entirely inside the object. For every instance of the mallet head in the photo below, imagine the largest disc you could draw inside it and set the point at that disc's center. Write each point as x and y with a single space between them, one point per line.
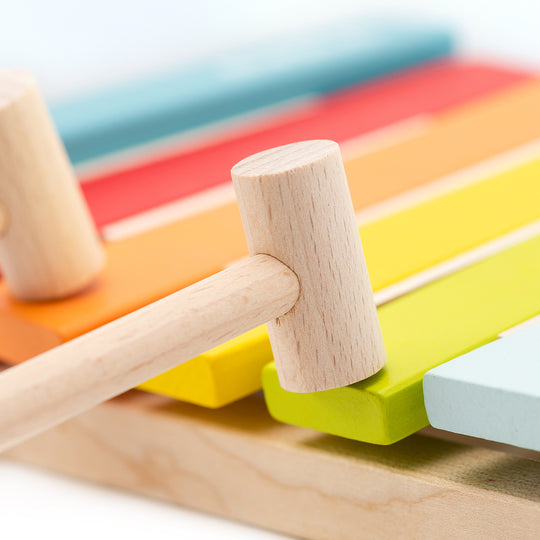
296 206
49 247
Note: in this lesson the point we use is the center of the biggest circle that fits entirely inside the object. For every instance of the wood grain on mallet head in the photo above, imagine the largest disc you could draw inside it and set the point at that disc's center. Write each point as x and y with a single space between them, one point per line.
295 205
3 220
49 247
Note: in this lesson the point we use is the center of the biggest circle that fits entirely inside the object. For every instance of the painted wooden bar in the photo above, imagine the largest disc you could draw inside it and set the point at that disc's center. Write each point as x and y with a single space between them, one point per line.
239 463
315 61
492 392
400 166
130 280
457 138
428 89
421 330
233 370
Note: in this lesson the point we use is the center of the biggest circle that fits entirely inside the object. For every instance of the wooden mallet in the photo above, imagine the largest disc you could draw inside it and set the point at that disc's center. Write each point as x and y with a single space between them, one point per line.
306 275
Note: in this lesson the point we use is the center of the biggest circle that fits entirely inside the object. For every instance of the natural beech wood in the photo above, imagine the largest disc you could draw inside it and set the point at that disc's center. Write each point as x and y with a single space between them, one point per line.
239 463
3 220
295 205
67 380
49 247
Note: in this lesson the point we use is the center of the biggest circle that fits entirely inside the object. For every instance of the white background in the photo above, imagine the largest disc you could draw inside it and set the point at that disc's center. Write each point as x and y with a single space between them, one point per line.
75 46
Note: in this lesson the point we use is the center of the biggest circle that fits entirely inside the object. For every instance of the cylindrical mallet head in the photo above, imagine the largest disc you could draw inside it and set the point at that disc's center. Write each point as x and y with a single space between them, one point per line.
49 247
295 205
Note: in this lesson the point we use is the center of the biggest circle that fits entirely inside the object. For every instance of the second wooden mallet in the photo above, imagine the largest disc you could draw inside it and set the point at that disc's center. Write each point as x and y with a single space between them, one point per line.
306 275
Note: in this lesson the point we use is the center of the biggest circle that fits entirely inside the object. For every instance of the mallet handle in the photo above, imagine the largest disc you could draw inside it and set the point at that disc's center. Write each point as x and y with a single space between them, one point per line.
69 379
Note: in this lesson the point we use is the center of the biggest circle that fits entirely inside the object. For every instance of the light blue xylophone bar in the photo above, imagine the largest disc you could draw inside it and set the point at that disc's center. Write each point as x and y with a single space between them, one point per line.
492 392
236 82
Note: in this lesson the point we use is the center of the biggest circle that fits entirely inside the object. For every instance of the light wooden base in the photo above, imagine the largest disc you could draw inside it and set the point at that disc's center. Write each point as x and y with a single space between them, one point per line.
239 463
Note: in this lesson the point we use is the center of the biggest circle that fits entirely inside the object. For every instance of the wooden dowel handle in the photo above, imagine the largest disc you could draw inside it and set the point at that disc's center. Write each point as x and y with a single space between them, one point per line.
65 381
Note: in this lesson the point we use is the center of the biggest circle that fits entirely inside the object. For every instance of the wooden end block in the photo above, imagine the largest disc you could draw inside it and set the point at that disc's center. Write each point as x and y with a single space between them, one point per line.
421 331
492 392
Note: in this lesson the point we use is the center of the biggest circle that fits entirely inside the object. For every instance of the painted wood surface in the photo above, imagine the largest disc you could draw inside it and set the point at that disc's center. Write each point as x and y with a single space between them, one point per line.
238 462
117 194
401 165
421 330
233 370
130 281
316 61
492 392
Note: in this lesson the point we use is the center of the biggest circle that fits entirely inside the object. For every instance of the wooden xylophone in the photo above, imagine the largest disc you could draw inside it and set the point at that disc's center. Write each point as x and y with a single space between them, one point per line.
443 164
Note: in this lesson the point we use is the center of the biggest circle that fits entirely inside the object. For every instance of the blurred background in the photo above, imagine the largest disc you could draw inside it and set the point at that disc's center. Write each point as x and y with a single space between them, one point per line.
77 47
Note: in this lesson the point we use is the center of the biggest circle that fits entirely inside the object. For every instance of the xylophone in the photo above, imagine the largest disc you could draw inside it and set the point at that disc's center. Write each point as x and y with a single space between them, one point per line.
442 164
